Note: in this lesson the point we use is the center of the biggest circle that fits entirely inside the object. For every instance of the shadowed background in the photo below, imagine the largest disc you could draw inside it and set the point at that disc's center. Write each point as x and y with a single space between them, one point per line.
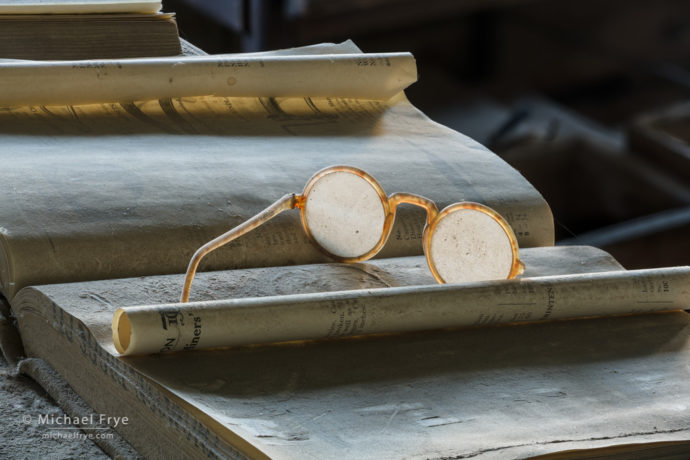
586 99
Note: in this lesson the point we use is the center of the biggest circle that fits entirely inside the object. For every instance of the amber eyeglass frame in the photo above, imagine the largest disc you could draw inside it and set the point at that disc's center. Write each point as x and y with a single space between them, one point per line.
389 203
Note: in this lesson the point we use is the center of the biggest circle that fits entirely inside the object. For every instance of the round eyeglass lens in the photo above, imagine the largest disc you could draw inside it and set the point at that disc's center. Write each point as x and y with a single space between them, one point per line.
469 245
344 214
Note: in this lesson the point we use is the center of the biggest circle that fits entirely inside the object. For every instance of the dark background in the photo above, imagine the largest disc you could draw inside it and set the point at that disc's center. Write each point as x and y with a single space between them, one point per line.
590 100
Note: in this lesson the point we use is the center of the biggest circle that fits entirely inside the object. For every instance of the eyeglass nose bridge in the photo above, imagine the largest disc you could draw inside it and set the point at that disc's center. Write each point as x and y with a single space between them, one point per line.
432 218
417 200
389 204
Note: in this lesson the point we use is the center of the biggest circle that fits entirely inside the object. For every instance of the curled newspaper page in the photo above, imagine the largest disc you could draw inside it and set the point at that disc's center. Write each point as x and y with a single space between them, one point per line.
173 327
118 177
363 76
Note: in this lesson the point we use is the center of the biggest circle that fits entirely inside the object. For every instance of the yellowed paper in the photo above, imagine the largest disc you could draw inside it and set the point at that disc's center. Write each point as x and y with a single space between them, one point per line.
176 327
78 6
364 76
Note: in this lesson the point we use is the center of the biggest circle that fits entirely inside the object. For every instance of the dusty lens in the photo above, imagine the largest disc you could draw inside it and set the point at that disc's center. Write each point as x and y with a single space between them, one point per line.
344 214
469 245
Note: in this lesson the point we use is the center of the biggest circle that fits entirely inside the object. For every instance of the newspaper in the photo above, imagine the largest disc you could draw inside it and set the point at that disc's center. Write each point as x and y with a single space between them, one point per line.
134 188
529 389
363 76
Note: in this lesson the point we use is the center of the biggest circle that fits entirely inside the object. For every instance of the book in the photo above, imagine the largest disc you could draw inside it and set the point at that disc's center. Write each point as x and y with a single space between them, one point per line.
529 390
75 29
128 190
87 36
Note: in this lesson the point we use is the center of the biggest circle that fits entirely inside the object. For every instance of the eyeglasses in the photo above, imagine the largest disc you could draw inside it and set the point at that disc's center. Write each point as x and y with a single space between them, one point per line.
347 216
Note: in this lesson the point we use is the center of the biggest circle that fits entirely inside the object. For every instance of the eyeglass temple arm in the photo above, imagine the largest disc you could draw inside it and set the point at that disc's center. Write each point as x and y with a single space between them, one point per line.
410 198
287 202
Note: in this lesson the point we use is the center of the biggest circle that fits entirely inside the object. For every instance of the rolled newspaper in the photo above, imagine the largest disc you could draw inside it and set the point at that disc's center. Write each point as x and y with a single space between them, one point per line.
365 76
191 326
